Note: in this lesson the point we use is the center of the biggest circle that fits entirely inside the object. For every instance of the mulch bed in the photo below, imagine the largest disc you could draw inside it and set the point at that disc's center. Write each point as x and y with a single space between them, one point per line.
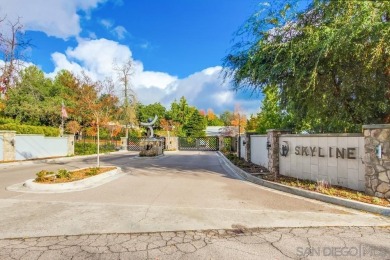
332 190
75 175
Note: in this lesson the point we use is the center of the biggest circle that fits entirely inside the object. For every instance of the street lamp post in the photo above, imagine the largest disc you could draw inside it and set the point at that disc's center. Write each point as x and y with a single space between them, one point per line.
239 137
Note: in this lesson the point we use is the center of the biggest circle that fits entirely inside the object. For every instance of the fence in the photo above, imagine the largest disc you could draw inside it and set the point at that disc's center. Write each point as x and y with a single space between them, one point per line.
21 147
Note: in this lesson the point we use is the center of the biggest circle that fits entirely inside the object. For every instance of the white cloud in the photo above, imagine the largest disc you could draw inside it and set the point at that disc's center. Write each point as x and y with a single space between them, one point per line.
92 35
106 23
97 56
204 89
145 45
57 18
120 32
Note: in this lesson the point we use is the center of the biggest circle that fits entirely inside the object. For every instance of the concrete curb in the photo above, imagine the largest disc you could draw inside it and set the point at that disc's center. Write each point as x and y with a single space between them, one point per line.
385 211
58 159
91 182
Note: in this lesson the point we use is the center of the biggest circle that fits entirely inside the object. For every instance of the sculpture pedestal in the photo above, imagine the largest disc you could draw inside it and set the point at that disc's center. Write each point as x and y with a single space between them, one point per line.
151 147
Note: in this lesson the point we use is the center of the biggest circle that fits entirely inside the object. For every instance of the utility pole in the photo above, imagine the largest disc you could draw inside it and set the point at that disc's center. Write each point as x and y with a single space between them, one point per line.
125 80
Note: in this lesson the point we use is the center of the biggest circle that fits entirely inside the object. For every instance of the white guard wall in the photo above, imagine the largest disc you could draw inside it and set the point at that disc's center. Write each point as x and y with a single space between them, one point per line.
243 142
38 146
326 164
259 152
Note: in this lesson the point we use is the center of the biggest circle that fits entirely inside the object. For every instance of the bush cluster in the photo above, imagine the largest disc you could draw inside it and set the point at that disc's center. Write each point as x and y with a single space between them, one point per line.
29 129
91 148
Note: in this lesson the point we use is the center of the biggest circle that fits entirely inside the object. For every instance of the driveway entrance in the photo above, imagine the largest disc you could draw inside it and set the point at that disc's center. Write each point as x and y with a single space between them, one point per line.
187 190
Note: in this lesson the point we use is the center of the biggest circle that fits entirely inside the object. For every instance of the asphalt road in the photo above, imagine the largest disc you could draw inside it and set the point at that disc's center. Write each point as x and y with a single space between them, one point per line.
179 192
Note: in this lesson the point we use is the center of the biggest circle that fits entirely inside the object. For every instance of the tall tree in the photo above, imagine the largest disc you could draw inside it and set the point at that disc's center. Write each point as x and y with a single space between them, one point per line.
97 101
329 60
226 117
180 111
128 112
271 116
144 112
212 119
12 46
252 124
239 119
196 125
33 99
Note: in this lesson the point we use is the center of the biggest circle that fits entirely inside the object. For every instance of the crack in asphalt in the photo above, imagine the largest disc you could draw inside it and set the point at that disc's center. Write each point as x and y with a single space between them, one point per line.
245 243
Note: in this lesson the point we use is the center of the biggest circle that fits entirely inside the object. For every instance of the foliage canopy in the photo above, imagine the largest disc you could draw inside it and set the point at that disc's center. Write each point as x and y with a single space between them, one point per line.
330 61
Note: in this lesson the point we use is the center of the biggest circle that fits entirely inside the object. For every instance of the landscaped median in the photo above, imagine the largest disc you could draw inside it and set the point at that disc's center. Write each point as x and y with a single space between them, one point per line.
383 210
68 181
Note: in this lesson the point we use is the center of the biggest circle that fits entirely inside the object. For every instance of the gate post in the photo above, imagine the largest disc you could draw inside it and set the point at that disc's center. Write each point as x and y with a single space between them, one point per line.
172 143
221 143
124 141
377 160
8 145
273 149
248 147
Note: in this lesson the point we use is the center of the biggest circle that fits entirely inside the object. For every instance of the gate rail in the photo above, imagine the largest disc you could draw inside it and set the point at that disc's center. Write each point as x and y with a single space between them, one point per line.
198 143
134 143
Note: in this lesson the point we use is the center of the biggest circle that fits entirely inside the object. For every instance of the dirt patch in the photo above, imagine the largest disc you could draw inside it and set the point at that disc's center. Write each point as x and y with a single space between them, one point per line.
328 189
246 166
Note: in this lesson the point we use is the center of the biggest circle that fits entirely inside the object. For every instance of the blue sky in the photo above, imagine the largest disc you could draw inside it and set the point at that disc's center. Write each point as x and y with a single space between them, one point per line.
177 45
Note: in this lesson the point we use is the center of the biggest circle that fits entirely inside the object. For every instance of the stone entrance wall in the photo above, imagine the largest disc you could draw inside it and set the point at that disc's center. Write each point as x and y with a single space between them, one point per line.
21 147
377 160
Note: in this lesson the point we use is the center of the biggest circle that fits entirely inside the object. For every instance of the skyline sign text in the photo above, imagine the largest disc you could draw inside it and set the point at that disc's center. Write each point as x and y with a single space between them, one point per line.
332 152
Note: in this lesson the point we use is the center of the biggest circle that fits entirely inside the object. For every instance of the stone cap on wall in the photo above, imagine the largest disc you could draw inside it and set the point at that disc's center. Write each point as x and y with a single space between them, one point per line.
324 135
278 130
7 131
379 126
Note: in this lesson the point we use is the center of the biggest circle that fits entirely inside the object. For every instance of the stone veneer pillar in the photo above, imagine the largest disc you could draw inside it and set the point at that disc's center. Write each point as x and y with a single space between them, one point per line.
9 150
248 146
71 144
377 166
172 143
221 143
273 149
123 143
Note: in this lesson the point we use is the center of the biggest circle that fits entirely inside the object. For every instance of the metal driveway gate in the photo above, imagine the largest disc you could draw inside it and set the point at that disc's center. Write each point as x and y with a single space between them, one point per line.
134 143
198 143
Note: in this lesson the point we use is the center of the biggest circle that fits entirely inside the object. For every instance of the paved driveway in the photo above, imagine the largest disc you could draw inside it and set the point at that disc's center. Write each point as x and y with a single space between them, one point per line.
179 191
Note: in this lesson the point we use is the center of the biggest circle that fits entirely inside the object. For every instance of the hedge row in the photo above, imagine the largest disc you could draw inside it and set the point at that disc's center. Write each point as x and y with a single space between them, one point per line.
29 129
91 148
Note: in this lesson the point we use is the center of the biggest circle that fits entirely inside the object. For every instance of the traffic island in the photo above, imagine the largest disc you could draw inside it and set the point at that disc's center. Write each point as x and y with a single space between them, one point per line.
51 183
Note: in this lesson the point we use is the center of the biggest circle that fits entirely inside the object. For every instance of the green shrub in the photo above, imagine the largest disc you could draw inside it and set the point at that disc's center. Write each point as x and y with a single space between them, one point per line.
64 174
29 129
42 175
5 120
82 148
93 171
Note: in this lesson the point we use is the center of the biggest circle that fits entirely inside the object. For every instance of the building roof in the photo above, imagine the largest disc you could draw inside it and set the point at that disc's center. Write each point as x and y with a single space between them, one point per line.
220 130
